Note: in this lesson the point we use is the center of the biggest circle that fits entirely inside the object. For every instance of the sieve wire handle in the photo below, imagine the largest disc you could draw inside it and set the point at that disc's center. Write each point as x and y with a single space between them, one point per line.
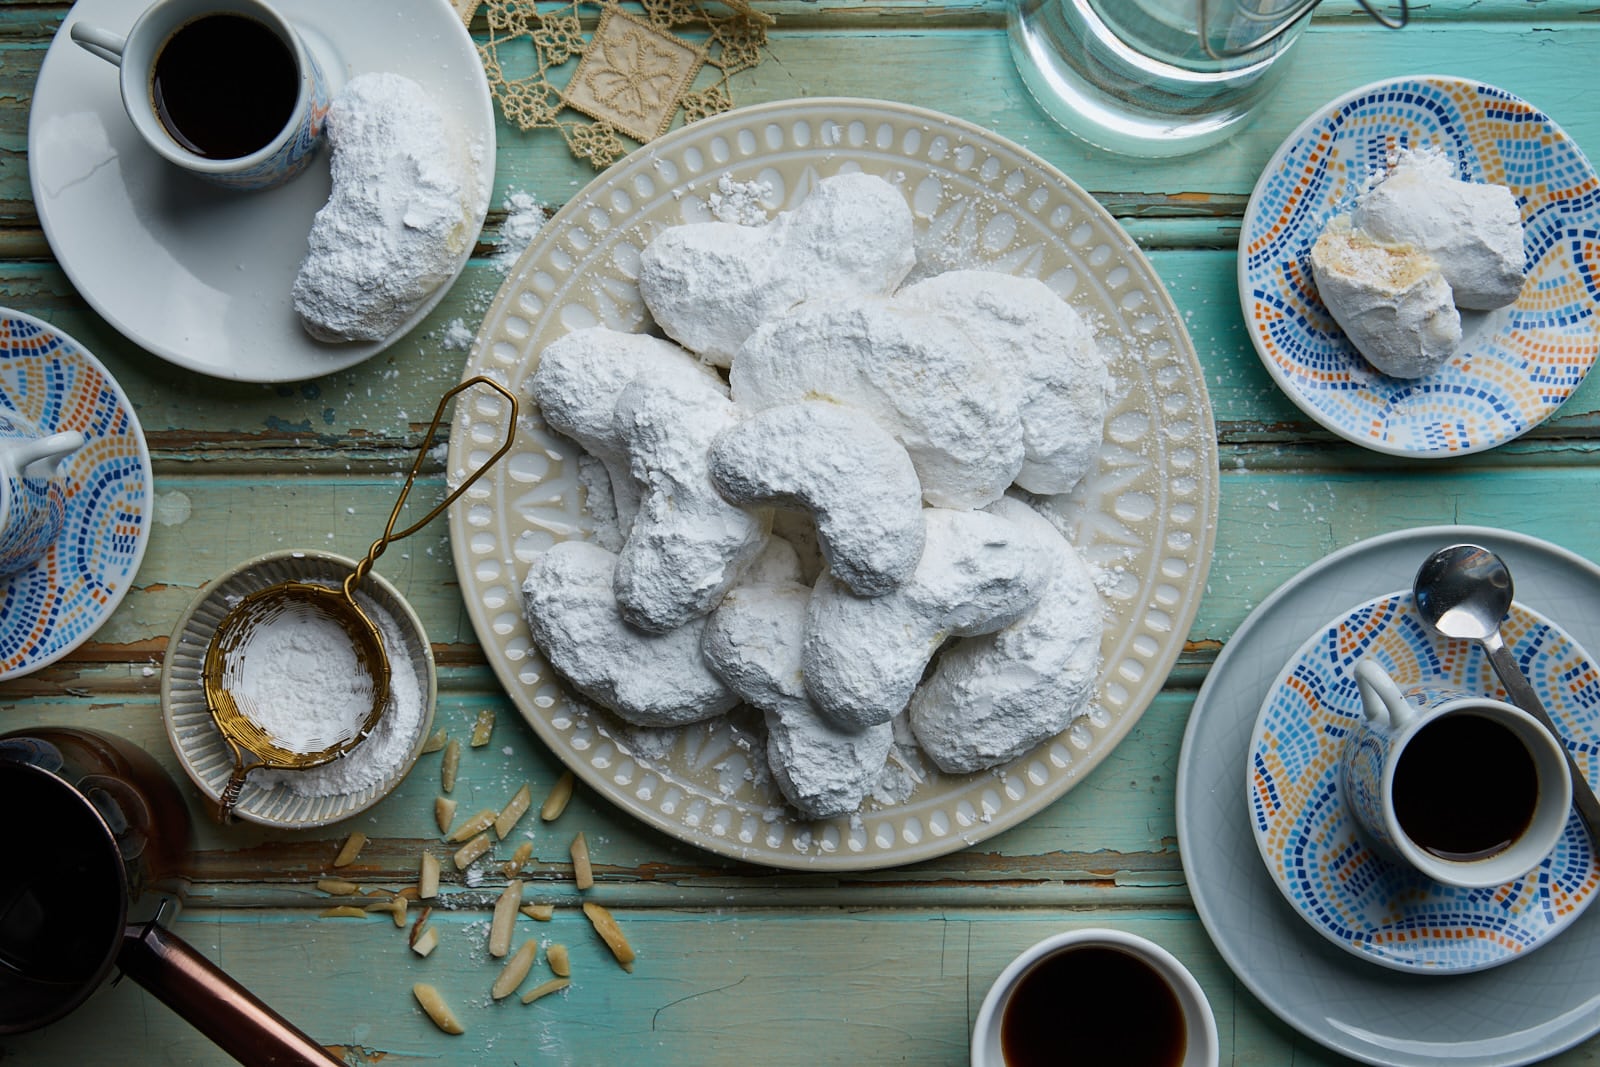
389 536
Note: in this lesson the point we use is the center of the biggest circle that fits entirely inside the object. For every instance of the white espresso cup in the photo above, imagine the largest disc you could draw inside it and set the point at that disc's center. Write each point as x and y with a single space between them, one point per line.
33 503
1468 790
184 62
1045 1002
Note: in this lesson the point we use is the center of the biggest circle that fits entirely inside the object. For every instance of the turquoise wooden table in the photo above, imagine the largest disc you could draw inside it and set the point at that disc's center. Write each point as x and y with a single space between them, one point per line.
738 963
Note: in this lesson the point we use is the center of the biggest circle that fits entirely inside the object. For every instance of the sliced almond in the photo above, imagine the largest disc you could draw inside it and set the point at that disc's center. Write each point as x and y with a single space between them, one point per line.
521 856
556 802
560 962
350 849
482 727
473 826
418 926
514 810
426 941
444 813
539 912
437 1009
343 911
610 933
505 915
428 876
338 887
410 892
449 765
471 851
582 872
434 743
395 906
555 985
515 970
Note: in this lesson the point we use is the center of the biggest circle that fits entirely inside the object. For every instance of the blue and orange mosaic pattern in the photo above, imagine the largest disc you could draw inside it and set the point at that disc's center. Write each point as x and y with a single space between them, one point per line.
1381 910
1517 365
53 606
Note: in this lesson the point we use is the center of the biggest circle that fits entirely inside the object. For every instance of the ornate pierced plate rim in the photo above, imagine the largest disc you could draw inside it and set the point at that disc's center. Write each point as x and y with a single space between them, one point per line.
495 352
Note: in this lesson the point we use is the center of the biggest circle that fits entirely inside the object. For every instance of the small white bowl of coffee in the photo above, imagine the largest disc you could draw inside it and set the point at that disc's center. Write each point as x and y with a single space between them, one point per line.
1145 1008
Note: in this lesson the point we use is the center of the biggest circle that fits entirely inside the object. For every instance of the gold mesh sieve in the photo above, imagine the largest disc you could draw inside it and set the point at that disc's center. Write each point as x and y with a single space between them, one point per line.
235 715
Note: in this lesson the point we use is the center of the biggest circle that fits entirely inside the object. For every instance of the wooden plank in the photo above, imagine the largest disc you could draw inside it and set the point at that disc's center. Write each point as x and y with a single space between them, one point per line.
969 72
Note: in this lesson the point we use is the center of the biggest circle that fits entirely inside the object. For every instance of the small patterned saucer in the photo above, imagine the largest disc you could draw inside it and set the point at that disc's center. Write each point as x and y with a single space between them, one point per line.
54 606
1517 364
1382 911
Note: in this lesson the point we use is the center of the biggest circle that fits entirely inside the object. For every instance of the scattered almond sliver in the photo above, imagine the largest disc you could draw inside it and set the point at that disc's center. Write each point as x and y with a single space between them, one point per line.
471 851
338 887
556 802
582 871
560 962
555 985
513 812
514 865
482 727
426 941
428 876
449 765
515 970
434 743
505 916
444 813
610 933
539 912
343 911
472 827
437 1010
350 849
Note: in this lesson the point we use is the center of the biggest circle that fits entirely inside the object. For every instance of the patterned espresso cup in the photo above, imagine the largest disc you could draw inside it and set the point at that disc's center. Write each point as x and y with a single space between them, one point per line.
33 499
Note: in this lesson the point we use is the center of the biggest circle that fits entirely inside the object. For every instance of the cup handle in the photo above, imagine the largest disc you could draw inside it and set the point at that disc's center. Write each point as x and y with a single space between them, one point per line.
1381 698
46 452
97 42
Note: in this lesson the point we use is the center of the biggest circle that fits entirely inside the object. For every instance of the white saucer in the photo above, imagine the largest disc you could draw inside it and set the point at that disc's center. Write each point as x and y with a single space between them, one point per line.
55 605
198 275
1522 1012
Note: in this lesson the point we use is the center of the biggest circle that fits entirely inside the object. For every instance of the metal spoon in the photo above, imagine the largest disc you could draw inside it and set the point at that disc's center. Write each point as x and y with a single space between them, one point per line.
1464 591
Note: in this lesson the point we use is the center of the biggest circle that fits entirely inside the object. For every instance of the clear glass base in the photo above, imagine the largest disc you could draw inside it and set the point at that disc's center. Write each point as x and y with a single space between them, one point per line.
1137 97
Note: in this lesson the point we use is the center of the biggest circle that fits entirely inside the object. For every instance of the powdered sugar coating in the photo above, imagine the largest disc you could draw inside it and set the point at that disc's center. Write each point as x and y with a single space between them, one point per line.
918 376
753 640
648 679
863 656
710 285
687 545
853 477
1391 301
1027 332
992 698
1472 229
577 383
399 216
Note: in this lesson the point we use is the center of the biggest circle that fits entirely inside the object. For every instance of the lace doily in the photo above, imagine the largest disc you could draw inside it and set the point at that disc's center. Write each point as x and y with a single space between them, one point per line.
629 78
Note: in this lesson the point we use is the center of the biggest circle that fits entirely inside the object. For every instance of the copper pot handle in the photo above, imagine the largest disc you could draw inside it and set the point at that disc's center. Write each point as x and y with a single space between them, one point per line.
215 1004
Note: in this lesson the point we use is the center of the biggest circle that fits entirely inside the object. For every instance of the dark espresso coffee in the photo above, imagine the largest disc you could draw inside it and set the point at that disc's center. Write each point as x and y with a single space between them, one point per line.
1465 787
1128 1014
224 86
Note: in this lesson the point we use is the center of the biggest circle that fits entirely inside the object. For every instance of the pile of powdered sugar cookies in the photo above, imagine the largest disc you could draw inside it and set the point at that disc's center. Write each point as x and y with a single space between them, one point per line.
892 434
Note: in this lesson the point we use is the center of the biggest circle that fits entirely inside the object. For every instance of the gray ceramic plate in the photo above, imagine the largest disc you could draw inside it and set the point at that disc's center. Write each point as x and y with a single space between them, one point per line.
1521 1012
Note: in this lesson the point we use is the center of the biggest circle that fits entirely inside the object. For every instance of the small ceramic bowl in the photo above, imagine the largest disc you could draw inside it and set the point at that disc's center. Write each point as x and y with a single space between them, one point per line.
1200 1044
267 798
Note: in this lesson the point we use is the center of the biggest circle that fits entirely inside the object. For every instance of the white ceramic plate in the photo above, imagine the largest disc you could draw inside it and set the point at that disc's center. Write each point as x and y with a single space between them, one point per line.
56 604
198 275
1524 1011
207 758
1145 518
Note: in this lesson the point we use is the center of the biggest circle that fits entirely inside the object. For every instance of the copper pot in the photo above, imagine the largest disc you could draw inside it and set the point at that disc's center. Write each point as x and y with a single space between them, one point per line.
86 891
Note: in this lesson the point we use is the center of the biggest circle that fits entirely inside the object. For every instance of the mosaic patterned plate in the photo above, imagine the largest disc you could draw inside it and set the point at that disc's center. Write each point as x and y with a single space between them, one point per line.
54 606
1516 365
1145 519
1380 910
